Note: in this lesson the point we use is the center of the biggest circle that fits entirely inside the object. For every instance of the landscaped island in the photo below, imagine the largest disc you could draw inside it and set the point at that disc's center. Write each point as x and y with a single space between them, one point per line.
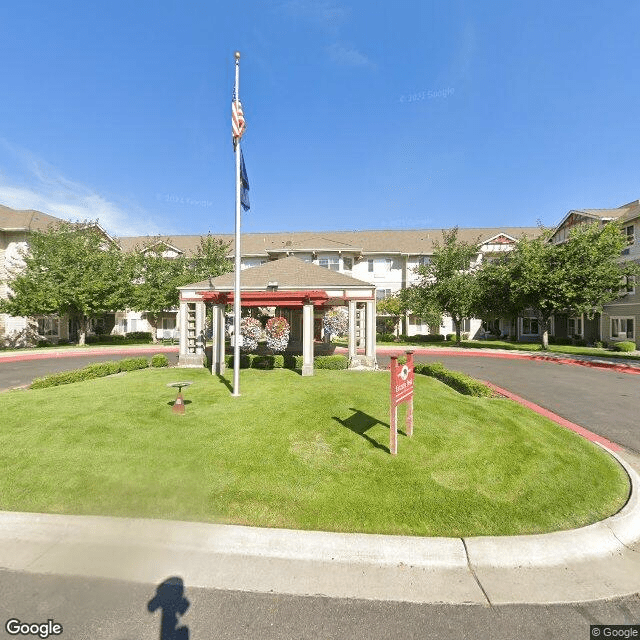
294 452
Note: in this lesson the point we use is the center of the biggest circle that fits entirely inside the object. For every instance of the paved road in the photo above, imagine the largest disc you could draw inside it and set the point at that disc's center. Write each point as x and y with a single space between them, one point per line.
96 609
601 400
101 609
17 374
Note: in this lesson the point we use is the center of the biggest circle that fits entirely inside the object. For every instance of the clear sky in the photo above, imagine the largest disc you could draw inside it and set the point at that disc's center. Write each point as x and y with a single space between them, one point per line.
361 115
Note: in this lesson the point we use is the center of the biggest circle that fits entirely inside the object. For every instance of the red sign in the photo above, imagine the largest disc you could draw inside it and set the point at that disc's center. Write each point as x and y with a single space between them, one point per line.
401 391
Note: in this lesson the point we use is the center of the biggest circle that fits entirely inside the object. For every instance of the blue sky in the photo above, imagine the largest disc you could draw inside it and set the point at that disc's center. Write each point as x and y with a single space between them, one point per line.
360 115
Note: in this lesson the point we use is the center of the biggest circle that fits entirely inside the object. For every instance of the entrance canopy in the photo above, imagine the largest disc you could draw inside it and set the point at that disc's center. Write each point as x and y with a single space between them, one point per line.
288 283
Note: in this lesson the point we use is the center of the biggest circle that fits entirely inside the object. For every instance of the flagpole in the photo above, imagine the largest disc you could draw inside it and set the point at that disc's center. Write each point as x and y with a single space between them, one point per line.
236 294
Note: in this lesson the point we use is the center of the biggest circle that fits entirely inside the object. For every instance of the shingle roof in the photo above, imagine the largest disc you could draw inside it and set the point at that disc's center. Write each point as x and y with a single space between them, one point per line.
289 273
27 220
405 241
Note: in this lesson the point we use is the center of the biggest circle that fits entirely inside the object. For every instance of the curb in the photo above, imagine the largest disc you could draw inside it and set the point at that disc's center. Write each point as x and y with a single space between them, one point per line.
633 369
590 563
73 353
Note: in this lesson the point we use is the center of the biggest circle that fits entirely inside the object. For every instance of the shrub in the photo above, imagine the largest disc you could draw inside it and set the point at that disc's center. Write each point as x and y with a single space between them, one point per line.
159 360
579 342
245 361
331 362
431 337
625 345
598 345
451 337
385 337
459 381
140 336
293 362
131 364
560 341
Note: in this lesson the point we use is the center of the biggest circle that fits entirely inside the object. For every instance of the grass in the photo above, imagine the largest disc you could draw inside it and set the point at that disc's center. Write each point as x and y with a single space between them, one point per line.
512 346
307 453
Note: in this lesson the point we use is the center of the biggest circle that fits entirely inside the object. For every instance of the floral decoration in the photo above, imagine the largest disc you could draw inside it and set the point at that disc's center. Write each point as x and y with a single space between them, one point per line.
336 321
277 333
251 331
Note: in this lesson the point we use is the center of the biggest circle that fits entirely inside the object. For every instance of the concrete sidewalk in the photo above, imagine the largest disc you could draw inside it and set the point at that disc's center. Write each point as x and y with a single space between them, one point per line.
594 562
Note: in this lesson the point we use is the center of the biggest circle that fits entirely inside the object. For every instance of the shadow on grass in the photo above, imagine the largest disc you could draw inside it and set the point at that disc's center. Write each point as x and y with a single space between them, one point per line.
225 382
361 422
185 402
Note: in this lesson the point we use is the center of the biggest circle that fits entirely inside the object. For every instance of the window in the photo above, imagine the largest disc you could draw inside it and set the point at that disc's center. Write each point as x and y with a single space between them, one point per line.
370 266
348 263
466 325
574 327
381 294
332 263
530 326
48 326
423 261
622 328
628 231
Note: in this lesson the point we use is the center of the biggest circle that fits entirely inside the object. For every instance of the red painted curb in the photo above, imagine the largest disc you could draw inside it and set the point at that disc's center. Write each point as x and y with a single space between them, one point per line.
563 422
84 352
619 368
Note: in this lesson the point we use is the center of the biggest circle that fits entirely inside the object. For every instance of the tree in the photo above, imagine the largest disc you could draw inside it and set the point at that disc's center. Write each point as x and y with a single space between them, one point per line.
578 276
447 284
393 307
157 278
69 269
210 259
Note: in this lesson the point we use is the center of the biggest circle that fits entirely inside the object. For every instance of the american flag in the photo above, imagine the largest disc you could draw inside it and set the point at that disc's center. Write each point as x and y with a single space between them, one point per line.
238 124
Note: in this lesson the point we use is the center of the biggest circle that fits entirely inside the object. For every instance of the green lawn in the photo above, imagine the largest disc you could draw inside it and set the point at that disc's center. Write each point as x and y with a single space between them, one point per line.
514 346
309 453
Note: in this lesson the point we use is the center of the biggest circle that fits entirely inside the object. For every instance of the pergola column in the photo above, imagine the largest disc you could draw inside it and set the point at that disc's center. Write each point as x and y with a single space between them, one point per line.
201 315
307 340
370 330
352 329
182 327
217 350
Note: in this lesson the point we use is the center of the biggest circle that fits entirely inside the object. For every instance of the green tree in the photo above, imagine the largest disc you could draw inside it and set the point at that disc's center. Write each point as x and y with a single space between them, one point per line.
157 278
392 306
577 276
69 269
447 284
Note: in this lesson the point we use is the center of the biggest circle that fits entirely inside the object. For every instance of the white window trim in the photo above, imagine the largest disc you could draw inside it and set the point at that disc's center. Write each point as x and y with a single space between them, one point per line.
620 319
579 319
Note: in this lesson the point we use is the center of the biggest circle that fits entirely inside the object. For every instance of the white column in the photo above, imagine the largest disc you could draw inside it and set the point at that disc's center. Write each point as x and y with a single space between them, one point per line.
217 350
370 330
201 313
352 329
182 327
307 340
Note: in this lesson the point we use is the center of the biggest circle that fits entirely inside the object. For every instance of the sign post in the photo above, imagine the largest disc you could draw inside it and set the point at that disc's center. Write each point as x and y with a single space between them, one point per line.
401 391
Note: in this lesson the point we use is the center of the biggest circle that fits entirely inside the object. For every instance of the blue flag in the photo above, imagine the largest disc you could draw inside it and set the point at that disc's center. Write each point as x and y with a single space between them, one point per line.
244 184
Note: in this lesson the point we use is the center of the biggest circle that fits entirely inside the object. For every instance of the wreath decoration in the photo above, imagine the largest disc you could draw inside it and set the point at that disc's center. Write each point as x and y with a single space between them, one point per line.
251 331
277 333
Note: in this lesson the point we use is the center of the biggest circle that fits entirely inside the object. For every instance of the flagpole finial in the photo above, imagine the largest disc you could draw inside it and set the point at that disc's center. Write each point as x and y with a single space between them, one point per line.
237 55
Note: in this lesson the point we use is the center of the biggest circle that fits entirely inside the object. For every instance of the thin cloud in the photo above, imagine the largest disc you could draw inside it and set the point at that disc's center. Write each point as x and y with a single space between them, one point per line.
326 15
43 188
348 56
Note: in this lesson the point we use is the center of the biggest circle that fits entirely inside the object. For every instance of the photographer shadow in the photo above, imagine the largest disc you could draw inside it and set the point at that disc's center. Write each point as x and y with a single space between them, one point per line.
169 598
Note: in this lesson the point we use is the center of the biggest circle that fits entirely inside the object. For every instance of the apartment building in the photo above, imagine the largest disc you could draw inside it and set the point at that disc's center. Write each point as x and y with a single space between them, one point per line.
619 319
384 258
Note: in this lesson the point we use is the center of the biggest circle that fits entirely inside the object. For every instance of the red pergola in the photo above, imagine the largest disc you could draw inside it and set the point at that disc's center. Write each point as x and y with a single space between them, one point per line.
287 299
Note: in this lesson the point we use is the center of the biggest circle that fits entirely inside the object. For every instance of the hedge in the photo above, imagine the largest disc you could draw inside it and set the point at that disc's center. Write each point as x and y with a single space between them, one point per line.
459 381
625 345
116 338
255 361
159 360
429 337
90 372
331 362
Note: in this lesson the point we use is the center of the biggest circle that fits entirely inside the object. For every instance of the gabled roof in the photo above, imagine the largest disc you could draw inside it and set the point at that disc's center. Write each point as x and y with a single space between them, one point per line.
25 220
415 242
624 212
290 273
